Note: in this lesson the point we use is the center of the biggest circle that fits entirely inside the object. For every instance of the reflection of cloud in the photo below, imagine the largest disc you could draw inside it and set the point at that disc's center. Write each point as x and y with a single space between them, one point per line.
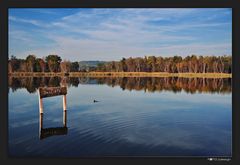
24 103
145 119
104 92
24 123
188 122
140 129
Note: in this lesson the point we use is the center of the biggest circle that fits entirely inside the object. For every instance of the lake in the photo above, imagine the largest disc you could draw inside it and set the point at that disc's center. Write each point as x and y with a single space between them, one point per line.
131 117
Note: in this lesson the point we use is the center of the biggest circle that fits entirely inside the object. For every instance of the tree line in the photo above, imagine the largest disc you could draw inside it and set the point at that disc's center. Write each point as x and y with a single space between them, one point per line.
51 63
175 64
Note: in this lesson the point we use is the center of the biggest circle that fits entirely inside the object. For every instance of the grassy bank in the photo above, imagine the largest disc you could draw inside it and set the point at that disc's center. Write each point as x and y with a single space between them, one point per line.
121 74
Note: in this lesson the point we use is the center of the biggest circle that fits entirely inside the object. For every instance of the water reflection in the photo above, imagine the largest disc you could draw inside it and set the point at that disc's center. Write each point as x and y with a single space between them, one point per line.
52 131
149 84
122 123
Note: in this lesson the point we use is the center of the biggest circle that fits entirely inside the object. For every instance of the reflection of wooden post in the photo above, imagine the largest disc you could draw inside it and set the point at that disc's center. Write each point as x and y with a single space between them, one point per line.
40 103
65 118
64 103
40 123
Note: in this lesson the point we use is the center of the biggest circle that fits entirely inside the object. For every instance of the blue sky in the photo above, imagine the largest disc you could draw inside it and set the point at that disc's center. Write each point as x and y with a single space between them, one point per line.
110 34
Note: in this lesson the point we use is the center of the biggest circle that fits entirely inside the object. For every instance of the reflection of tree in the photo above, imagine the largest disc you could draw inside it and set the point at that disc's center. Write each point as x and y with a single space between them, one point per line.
74 81
150 84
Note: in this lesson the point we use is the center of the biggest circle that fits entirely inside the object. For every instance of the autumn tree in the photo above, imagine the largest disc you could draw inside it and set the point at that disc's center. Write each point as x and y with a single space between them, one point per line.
14 63
175 64
42 64
65 66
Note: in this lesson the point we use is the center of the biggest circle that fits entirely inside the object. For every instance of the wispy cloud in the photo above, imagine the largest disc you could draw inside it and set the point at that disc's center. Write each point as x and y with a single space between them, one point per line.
109 34
28 21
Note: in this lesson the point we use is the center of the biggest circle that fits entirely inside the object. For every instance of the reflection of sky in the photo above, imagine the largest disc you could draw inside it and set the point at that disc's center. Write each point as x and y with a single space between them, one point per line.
138 96
123 123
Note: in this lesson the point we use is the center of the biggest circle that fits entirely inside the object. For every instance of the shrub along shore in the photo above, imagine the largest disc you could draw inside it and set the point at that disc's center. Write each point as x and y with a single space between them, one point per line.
120 74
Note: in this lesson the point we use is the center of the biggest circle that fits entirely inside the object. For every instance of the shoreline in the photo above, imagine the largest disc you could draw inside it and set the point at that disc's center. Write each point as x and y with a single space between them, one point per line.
120 74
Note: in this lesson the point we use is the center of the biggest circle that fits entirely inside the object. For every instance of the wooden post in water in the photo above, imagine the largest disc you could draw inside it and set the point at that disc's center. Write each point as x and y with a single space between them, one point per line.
40 103
64 111
50 92
64 103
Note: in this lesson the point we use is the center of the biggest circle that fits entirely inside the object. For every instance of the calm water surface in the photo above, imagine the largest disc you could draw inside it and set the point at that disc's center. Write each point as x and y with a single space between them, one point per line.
134 117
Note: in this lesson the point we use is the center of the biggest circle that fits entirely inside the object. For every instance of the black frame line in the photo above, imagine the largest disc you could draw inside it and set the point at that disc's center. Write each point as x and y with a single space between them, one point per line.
6 4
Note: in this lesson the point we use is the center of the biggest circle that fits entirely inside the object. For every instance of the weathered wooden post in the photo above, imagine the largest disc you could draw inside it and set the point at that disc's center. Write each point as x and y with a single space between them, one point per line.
50 92
40 102
64 103
64 111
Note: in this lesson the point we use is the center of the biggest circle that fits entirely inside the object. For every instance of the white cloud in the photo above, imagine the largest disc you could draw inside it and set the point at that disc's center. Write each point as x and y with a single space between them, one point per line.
108 34
72 49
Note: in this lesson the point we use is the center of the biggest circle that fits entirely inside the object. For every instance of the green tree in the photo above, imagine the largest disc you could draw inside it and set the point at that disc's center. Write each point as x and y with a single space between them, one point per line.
31 61
14 64
53 62
74 67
